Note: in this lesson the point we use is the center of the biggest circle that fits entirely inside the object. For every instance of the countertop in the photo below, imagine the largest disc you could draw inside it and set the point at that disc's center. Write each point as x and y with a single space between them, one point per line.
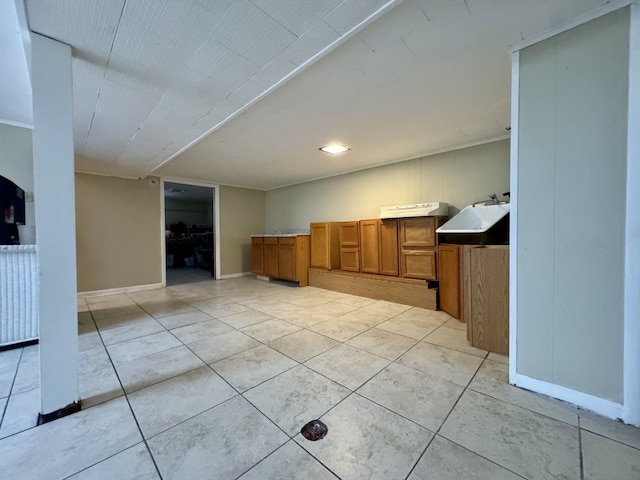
280 234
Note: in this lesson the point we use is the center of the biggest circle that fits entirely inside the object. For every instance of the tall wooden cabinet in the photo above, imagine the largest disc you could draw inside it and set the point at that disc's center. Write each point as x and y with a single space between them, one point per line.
325 245
379 246
271 257
349 235
257 257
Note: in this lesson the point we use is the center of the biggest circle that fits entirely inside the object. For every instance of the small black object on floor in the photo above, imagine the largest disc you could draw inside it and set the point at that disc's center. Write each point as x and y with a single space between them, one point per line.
314 430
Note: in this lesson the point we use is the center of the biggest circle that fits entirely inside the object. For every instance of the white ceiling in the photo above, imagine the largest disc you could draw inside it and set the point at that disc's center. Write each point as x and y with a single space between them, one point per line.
393 80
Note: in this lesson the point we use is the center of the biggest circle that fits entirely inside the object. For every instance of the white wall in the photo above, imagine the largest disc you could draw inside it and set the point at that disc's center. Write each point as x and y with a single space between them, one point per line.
459 178
16 156
571 208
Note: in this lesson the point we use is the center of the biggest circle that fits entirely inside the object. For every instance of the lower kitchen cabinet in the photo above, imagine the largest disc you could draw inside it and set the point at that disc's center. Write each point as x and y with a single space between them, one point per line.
349 236
417 241
284 257
450 279
379 246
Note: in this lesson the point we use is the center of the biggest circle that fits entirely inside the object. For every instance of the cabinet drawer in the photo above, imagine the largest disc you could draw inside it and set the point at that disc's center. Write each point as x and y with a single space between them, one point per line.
270 240
287 240
419 264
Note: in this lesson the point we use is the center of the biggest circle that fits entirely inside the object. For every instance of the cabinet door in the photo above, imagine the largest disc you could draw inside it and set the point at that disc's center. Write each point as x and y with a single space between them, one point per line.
271 257
257 257
369 246
320 245
389 247
419 264
450 279
287 258
417 232
350 259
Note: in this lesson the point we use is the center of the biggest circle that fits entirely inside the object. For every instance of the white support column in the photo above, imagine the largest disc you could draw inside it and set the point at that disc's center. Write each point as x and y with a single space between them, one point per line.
631 408
53 164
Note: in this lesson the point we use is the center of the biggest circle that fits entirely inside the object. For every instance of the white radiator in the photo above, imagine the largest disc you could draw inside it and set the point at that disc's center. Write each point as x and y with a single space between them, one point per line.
18 293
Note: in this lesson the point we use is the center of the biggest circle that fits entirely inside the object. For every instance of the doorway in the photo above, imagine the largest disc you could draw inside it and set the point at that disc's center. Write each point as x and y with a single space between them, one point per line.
189 220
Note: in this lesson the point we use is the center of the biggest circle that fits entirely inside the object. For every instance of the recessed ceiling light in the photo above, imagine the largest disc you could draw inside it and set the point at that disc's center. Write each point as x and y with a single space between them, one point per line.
334 148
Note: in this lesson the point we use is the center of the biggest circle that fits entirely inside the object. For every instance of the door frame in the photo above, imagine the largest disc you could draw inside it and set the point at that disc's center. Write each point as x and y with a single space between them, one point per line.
215 222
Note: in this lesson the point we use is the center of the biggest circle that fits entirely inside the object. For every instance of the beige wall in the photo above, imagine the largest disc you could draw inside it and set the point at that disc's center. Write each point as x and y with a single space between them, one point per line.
16 156
241 214
571 207
118 233
459 178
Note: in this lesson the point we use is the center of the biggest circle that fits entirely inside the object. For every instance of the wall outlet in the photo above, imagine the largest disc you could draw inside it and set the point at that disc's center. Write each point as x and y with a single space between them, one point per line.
28 196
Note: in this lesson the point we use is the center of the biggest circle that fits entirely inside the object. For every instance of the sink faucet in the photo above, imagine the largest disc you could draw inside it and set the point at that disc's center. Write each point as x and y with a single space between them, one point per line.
493 200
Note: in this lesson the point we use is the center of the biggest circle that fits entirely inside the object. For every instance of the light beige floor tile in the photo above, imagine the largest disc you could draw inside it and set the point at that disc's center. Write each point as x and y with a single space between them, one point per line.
104 312
530 444
226 310
134 462
333 308
417 328
182 319
288 462
137 329
166 308
245 318
9 360
209 303
270 330
382 343
417 313
28 375
604 458
306 318
386 309
444 460
347 365
309 301
99 386
198 331
612 429
122 320
70 444
366 441
94 359
89 341
498 357
223 442
360 316
216 348
356 301
142 346
295 397
166 404
115 299
417 396
450 365
303 345
455 323
22 412
454 339
493 379
85 323
154 368
339 330
252 367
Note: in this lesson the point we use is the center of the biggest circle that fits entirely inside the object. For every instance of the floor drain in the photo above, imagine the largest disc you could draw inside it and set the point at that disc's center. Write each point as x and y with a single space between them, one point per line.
314 430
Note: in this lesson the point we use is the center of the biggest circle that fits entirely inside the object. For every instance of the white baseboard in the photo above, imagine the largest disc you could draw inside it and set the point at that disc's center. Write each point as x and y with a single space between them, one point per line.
235 275
601 406
114 291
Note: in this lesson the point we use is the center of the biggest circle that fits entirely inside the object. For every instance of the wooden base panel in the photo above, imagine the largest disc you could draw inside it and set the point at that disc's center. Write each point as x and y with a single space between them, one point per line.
380 287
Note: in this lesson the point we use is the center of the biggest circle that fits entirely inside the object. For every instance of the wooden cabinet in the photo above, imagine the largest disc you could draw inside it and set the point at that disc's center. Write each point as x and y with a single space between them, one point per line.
270 254
450 279
417 240
325 245
486 296
349 235
257 258
286 258
379 246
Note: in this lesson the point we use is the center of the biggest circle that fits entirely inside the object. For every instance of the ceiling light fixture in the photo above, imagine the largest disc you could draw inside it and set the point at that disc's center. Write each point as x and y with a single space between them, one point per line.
334 149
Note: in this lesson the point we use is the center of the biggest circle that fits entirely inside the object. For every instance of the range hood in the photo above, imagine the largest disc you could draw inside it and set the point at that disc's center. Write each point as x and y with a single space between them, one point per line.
415 210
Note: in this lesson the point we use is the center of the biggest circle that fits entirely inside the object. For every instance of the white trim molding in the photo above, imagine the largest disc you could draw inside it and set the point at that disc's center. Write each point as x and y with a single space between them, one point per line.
599 405
631 358
235 275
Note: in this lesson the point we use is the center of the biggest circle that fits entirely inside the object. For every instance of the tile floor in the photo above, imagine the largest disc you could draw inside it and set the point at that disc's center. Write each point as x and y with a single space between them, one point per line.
214 379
